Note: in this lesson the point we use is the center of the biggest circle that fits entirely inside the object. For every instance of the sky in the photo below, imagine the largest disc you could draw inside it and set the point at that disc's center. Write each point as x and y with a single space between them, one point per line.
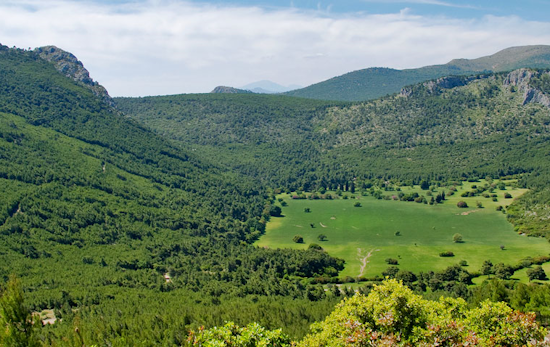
160 47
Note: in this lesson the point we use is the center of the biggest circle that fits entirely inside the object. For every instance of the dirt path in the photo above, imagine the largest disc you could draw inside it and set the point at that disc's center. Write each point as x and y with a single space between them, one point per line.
364 260
468 212
324 226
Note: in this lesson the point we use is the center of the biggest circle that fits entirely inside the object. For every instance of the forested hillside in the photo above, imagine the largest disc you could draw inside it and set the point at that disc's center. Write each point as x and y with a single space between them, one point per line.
446 129
372 83
99 214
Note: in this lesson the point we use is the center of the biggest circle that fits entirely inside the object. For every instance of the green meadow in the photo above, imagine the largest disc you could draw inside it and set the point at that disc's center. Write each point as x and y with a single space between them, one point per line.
365 236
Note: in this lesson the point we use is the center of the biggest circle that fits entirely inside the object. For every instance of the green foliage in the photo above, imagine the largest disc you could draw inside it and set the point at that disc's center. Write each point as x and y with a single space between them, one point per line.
392 315
232 335
462 204
298 239
536 273
17 327
457 238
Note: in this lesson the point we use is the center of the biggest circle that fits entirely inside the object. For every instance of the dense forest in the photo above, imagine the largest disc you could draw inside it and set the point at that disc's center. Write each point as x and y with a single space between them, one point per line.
133 222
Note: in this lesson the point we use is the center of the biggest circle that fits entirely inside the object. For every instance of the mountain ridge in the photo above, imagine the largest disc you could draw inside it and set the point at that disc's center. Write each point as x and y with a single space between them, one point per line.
371 83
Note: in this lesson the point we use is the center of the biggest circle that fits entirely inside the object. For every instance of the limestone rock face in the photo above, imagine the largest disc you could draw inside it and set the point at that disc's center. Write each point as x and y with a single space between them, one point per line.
521 79
70 66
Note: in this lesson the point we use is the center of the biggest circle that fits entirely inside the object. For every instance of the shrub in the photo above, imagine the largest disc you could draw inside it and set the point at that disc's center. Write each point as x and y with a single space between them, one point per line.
446 254
457 238
392 261
298 239
507 196
357 204
322 237
315 247
462 204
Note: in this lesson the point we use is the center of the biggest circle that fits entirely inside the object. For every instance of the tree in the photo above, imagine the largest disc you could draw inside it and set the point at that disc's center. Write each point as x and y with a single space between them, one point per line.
536 273
275 211
322 237
390 272
424 185
17 327
487 268
307 210
462 204
357 204
457 238
392 261
298 239
315 247
502 271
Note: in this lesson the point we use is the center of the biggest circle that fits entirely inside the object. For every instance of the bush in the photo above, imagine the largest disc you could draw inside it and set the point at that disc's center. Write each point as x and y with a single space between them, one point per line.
298 239
462 204
446 254
322 237
315 247
536 273
392 261
457 238
507 196
357 204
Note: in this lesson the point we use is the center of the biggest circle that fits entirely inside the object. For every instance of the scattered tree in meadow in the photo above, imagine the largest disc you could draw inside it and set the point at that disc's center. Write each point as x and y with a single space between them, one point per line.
392 261
507 196
322 237
315 247
307 210
357 204
275 211
457 238
462 204
397 233
298 239
536 273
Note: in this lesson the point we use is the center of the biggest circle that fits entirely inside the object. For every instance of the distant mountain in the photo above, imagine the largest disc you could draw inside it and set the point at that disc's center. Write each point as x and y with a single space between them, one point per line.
229 90
371 83
268 87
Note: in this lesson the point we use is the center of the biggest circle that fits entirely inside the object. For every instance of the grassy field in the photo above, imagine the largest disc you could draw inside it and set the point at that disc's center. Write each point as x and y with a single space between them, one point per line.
367 234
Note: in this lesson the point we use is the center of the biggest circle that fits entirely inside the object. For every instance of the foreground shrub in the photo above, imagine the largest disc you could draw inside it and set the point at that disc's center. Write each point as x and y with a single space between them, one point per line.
392 315
232 335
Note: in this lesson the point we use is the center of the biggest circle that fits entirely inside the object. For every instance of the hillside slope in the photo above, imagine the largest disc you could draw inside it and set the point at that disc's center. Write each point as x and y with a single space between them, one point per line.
100 216
446 129
372 83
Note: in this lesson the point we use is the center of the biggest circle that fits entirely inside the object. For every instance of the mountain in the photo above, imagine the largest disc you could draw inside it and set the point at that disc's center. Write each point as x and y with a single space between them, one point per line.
372 83
268 87
229 90
450 128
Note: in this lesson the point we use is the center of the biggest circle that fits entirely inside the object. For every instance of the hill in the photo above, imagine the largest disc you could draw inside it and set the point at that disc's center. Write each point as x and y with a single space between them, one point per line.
101 217
373 83
447 129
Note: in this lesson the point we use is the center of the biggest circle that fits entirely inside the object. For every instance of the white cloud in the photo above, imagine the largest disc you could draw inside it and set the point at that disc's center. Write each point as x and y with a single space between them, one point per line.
167 46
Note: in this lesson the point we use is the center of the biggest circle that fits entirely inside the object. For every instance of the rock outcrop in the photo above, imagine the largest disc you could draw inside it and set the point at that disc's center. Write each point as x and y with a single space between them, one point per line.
521 79
70 66
229 90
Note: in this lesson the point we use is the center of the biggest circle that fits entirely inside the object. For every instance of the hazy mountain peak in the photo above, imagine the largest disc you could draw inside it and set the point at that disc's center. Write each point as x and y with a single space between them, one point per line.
269 87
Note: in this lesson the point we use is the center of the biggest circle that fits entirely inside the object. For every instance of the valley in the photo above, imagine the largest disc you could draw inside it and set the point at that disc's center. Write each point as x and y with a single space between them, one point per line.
168 220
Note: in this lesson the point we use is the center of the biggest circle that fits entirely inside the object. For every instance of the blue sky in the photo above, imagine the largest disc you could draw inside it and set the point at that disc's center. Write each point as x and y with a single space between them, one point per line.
527 9
154 47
